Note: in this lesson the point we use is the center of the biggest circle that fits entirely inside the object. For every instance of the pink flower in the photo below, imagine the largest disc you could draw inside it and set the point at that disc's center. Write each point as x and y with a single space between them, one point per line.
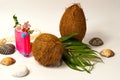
26 26
19 28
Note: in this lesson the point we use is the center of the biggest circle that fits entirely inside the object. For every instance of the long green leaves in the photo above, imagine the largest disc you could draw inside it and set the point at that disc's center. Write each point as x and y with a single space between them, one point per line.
77 55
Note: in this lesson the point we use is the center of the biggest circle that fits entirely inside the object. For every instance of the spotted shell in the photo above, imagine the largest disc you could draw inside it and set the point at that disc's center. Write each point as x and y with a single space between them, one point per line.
7 61
7 49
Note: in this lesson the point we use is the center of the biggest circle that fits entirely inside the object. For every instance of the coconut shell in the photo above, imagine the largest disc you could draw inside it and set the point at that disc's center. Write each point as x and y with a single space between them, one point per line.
73 20
47 49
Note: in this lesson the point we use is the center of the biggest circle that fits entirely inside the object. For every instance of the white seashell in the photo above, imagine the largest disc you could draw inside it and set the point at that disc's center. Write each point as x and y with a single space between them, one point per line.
20 71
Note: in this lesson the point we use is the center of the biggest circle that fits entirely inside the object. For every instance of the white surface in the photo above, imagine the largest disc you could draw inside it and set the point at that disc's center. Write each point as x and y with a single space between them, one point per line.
102 21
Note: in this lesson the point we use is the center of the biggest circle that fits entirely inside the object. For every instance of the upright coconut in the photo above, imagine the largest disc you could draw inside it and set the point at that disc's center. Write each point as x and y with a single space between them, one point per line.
73 20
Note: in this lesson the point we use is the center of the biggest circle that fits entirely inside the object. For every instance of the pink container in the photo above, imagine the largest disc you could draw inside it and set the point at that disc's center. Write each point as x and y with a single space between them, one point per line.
23 43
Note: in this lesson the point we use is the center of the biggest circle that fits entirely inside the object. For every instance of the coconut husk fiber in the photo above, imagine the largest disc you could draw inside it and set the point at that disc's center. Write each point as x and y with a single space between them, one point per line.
73 20
47 49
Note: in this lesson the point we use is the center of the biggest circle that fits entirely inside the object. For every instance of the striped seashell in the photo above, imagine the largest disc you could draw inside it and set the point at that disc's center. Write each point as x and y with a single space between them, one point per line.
7 49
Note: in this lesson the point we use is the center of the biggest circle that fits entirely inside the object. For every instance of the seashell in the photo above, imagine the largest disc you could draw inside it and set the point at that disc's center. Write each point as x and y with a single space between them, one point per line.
3 41
20 71
96 41
7 61
107 53
7 49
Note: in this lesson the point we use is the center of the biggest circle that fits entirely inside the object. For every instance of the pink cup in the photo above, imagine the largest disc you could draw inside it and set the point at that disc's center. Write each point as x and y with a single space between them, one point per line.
23 43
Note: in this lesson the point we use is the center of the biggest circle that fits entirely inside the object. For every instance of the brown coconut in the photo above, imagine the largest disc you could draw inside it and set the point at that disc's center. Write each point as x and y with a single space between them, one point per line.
73 20
47 49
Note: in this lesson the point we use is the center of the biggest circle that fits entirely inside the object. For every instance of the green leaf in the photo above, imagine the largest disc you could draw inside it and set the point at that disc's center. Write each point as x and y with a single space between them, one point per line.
73 43
78 56
76 47
91 56
64 38
31 31
81 65
83 51
76 63
85 62
16 21
71 62
73 66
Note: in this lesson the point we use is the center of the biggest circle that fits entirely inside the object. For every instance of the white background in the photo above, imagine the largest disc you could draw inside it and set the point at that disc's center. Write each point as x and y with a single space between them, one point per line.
103 20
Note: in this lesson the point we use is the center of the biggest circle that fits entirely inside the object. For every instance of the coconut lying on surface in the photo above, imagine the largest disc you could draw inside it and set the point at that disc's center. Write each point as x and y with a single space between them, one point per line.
73 20
47 49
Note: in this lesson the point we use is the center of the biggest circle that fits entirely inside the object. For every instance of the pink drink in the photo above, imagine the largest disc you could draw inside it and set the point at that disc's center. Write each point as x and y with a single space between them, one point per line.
23 43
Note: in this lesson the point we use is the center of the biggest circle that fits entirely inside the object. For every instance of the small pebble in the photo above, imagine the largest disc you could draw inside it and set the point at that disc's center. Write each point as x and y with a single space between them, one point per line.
7 61
20 71
107 53
96 41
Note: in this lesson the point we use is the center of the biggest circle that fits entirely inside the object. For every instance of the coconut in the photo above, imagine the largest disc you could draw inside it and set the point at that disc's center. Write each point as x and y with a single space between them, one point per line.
47 49
73 20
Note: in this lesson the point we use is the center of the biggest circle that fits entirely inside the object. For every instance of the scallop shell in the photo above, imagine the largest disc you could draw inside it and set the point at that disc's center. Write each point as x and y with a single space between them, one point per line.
7 49
7 61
